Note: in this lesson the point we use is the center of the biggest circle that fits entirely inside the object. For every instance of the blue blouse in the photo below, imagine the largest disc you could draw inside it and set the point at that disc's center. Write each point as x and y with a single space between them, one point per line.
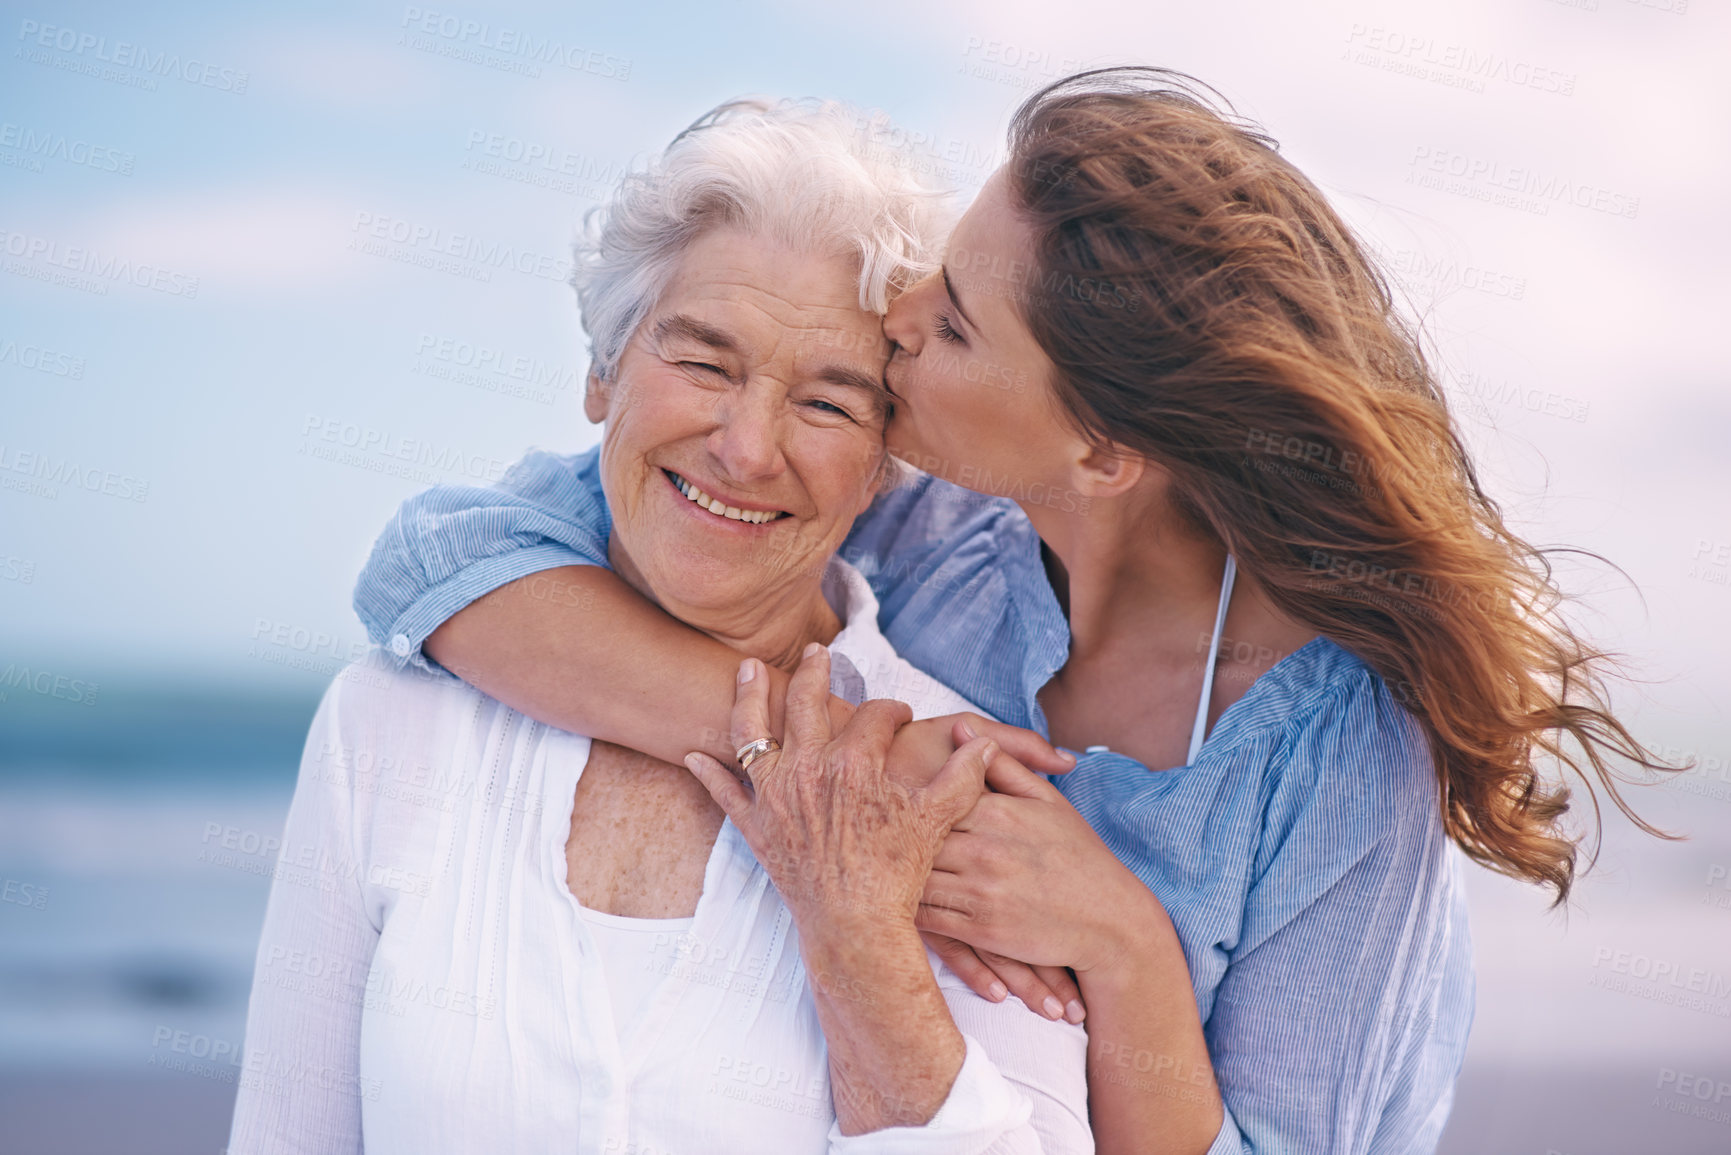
1301 857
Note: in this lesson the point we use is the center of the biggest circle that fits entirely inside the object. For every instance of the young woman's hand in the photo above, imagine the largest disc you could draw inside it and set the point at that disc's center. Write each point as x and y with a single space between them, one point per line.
1046 990
918 751
921 747
1024 877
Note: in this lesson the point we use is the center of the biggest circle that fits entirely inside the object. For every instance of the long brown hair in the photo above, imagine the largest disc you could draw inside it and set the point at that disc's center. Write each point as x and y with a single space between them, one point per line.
1206 308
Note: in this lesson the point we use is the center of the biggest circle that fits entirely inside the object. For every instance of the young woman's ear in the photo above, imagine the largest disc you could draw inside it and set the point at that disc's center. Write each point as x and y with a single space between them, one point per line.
1107 469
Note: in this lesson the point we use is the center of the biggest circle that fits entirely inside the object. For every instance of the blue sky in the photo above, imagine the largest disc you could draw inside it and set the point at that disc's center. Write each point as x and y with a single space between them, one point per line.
269 154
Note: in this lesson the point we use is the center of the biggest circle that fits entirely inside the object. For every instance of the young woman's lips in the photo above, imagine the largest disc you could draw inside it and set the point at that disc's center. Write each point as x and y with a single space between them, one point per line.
716 512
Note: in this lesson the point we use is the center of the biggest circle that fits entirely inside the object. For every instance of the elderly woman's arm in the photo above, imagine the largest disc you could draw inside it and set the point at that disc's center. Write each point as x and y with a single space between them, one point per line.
300 1083
849 850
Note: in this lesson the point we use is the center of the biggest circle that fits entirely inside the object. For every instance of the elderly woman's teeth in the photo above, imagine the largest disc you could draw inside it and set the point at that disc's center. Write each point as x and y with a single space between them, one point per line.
692 493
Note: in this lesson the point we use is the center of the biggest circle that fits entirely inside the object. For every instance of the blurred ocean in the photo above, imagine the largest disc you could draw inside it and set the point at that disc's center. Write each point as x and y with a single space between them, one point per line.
136 847
133 876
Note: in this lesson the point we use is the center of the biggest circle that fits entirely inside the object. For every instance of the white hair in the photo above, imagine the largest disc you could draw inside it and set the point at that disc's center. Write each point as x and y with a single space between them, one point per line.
819 176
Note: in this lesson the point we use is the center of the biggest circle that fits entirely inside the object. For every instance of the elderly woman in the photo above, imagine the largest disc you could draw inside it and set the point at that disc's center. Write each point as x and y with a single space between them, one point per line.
491 935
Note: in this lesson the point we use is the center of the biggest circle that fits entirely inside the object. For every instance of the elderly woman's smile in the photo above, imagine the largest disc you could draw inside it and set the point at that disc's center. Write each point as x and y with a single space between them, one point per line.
723 506
744 427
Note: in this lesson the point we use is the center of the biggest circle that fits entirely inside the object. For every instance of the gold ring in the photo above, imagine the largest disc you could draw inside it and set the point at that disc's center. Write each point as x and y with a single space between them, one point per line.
752 751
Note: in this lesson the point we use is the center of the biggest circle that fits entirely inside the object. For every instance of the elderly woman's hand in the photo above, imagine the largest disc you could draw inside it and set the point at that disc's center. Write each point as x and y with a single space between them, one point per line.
844 842
849 847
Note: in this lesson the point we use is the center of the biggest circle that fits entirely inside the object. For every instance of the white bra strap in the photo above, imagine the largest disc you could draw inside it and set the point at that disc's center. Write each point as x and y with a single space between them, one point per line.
1200 730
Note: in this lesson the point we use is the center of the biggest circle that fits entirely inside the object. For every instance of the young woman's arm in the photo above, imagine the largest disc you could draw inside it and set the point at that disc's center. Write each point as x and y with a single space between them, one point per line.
1341 1018
506 586
577 648
1024 874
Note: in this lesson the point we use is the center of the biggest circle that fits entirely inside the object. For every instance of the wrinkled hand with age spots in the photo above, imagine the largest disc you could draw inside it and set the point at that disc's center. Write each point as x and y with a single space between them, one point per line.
850 847
845 842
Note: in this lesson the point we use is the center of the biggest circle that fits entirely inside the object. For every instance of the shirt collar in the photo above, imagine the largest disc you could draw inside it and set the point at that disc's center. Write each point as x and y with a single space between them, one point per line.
859 654
1040 621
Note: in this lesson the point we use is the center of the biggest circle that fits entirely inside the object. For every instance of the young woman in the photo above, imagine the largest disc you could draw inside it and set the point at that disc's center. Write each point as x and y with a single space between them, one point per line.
1244 565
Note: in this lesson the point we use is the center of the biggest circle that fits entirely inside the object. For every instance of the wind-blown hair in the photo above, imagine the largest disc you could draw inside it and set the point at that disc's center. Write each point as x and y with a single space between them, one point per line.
1206 308
820 176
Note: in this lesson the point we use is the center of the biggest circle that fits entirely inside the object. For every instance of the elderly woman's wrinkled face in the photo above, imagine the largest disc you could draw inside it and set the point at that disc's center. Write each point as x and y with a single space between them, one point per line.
744 425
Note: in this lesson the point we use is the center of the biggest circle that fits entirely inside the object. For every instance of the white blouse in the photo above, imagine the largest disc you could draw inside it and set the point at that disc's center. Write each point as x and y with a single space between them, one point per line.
627 949
427 983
